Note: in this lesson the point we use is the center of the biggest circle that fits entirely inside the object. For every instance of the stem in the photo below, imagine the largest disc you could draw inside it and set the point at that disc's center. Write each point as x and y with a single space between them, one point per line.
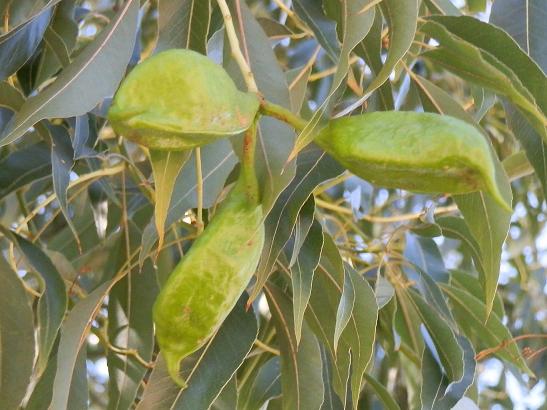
282 114
248 163
199 190
234 46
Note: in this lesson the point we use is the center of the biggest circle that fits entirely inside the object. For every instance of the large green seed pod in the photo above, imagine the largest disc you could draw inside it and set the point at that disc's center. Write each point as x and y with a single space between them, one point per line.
206 284
419 152
180 99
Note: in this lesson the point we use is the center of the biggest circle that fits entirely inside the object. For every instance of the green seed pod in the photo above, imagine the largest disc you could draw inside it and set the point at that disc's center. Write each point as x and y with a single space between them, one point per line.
180 99
206 284
419 152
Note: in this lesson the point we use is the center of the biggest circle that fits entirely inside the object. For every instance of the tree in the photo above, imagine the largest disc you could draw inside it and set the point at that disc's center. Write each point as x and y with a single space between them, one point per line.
364 296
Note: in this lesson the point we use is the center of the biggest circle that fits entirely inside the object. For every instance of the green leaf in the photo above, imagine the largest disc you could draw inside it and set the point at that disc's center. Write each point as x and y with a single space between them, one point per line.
266 386
16 338
73 336
183 24
450 353
355 20
370 50
166 166
228 397
324 28
345 307
525 22
382 393
18 45
383 291
24 166
130 327
314 167
493 60
302 383
94 70
217 161
53 302
302 273
469 315
402 18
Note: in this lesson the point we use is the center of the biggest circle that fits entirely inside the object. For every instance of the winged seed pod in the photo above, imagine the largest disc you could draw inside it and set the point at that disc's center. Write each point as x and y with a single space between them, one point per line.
419 152
206 284
180 99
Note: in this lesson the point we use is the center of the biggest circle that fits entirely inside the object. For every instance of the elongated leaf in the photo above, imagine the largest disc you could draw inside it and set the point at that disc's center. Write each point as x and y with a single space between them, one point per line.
166 166
525 22
314 167
345 307
62 162
355 19
18 45
266 386
130 327
24 166
53 302
324 28
217 161
302 383
450 353
183 24
302 273
402 18
492 60
73 336
16 338
382 393
490 335
98 69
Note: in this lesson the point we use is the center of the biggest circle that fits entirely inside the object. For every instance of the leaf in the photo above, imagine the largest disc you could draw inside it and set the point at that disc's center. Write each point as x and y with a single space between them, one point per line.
62 162
183 24
313 167
60 39
302 227
208 370
24 166
217 161
302 273
359 334
448 349
468 312
445 7
370 50
166 166
383 291
266 386
402 18
424 253
355 21
323 27
53 302
382 393
493 60
330 399
301 381
16 338
228 397
345 307
130 327
98 69
73 337
525 22
19 44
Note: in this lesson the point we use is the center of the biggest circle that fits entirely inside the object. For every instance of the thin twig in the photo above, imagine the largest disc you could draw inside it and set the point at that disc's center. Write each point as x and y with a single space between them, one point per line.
234 46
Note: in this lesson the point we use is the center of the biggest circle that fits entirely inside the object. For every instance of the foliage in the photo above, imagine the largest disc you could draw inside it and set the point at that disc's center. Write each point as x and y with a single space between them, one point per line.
364 297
